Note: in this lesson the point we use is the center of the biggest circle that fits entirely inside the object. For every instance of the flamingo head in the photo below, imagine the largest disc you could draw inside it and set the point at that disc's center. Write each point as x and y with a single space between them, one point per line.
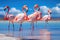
49 11
25 8
6 8
36 7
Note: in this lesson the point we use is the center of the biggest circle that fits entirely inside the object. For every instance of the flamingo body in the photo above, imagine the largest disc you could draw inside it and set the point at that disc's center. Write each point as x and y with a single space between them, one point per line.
19 17
46 17
34 16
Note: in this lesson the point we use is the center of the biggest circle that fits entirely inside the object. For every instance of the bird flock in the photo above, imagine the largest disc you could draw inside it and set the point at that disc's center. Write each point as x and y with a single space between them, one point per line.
34 17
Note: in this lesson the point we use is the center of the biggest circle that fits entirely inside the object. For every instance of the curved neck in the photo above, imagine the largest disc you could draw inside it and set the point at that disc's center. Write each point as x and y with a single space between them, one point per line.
36 9
7 10
25 12
49 13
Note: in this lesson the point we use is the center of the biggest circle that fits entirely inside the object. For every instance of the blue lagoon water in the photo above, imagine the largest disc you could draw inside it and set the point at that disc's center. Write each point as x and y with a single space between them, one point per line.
53 27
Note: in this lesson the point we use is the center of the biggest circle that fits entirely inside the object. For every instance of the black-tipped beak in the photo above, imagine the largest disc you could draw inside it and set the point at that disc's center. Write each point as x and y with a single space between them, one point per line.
4 9
50 13
26 11
38 9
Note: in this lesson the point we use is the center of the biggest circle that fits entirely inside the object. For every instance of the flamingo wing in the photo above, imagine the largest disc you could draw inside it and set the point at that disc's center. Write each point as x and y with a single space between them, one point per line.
19 17
44 18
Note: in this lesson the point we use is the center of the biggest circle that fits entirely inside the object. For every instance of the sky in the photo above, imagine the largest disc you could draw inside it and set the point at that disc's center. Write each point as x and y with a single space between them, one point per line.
16 6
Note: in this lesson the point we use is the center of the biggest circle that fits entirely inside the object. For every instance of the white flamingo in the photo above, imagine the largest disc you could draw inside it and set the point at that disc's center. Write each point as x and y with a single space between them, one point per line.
21 17
8 17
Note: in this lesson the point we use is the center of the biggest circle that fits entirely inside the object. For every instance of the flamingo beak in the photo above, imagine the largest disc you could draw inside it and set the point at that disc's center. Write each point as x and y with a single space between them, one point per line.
4 9
26 11
39 9
50 13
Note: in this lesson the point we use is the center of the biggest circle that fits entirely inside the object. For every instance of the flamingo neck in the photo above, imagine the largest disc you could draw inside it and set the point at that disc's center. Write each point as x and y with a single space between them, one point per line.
40 15
25 13
49 14
7 13
37 9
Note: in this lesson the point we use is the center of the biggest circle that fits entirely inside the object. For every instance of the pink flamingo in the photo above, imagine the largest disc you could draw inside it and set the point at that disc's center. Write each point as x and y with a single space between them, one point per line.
46 18
45 33
21 17
36 8
8 17
35 16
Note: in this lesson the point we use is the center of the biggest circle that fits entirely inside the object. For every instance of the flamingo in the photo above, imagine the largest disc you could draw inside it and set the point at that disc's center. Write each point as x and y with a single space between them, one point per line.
8 17
46 18
36 8
45 32
21 17
35 16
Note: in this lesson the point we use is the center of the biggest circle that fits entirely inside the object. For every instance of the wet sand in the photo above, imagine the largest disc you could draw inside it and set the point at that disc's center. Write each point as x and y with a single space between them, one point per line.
4 37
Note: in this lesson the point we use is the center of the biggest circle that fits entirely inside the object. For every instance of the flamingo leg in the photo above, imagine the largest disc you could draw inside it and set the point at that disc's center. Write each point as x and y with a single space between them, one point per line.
13 26
32 28
13 29
36 23
9 26
20 29
46 24
32 24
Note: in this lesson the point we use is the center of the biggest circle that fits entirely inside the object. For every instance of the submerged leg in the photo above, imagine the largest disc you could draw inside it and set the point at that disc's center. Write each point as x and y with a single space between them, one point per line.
13 29
46 24
36 23
9 26
20 29
13 26
32 28
32 25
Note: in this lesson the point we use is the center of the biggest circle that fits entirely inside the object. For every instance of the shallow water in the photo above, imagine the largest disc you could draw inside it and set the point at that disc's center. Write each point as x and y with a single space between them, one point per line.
53 27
